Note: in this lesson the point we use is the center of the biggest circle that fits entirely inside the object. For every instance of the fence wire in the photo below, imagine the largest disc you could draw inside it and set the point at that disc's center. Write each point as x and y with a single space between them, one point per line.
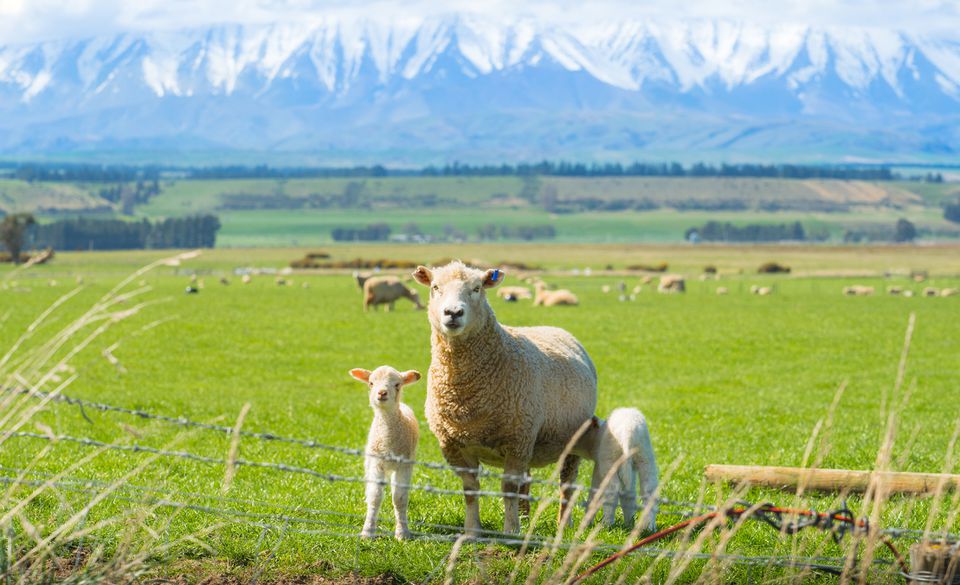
281 523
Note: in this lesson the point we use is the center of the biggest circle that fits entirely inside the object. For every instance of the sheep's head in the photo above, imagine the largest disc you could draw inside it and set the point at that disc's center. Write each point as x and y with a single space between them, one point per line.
385 384
458 299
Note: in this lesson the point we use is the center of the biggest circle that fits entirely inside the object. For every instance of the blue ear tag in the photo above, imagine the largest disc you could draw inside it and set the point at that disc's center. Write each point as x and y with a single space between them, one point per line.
496 274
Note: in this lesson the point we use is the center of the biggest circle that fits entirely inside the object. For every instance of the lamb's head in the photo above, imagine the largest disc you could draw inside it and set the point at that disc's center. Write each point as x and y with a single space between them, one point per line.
385 384
458 299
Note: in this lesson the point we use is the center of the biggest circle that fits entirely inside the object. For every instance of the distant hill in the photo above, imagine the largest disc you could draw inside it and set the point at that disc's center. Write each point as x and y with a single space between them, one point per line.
424 90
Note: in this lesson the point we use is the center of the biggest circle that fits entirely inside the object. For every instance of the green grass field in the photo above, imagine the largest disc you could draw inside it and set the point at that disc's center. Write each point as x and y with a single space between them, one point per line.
723 379
467 203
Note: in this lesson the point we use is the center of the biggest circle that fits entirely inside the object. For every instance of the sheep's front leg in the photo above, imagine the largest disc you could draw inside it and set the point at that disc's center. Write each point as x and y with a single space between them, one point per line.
400 491
376 480
514 469
568 475
471 483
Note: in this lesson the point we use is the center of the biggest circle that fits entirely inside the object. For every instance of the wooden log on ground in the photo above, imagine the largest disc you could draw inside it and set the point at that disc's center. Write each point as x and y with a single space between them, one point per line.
833 480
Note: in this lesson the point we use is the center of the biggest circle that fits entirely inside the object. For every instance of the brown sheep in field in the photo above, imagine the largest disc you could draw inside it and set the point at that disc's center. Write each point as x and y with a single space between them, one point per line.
672 283
385 290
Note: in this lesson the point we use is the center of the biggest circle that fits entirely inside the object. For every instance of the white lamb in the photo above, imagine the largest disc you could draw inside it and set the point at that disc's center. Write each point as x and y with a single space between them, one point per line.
391 445
621 448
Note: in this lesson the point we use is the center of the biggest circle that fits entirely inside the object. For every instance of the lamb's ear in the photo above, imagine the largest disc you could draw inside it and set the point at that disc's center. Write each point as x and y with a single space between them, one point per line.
493 277
361 374
423 275
595 422
410 376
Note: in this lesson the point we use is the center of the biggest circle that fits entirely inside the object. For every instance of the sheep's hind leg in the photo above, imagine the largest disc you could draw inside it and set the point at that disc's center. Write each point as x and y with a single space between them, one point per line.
525 499
568 475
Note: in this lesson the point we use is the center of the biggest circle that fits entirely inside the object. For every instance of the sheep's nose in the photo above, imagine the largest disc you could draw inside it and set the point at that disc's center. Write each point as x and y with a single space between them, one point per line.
450 312
382 395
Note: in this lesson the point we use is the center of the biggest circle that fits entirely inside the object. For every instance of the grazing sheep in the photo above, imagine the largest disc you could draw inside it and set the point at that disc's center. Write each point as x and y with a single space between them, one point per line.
858 290
513 293
385 290
908 293
894 290
722 290
637 289
930 292
361 278
224 281
647 279
511 397
761 290
605 288
280 281
391 445
191 290
622 286
949 292
553 298
246 279
623 456
672 283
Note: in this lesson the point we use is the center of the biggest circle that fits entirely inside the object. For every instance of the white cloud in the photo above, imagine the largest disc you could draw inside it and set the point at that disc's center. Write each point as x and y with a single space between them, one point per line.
34 20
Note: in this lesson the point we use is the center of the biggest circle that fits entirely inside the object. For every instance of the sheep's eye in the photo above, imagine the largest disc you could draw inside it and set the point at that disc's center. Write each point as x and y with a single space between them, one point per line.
476 289
435 288
398 386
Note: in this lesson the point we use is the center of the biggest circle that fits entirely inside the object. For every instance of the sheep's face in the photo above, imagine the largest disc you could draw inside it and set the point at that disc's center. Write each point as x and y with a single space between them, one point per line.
458 297
385 384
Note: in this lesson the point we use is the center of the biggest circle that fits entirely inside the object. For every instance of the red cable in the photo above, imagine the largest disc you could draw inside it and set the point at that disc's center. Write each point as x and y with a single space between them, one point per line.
731 512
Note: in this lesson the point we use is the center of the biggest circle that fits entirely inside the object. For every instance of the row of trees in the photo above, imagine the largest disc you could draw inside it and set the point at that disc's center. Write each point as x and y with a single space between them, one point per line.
199 231
674 169
714 231
124 173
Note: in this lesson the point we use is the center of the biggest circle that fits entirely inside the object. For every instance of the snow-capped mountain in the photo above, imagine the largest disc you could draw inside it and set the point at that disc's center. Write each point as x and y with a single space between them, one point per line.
475 88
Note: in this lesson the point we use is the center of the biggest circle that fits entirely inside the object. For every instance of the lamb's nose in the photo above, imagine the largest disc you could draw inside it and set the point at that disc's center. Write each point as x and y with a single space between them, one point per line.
458 312
382 395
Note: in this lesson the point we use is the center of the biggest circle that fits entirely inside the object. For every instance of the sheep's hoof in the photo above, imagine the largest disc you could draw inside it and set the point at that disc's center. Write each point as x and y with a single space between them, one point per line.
402 534
368 535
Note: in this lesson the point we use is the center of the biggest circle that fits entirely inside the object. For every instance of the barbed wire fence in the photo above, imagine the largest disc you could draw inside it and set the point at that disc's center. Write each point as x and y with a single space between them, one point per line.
339 524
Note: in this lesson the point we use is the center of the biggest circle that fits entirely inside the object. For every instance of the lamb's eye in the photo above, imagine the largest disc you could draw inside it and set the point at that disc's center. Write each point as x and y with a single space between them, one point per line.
476 289
398 386
435 288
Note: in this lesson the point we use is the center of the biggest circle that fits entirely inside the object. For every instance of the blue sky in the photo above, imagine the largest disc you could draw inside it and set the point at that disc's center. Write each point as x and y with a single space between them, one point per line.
24 21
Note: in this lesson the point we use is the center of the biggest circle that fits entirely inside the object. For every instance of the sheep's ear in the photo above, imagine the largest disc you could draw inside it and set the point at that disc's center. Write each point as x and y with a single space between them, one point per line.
423 275
361 374
493 277
595 422
410 376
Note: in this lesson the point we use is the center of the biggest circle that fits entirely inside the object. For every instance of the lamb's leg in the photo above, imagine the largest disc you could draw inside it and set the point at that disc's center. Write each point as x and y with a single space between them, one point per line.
568 475
596 498
628 493
376 479
648 472
400 491
513 469
471 483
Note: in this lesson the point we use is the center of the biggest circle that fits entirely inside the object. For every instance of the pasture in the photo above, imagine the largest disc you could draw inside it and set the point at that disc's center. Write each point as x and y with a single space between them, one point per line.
723 379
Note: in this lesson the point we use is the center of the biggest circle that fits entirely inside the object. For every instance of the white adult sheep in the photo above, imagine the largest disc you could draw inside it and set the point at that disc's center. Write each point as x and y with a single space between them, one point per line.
391 446
949 292
553 298
672 283
894 290
511 397
385 290
623 456
722 290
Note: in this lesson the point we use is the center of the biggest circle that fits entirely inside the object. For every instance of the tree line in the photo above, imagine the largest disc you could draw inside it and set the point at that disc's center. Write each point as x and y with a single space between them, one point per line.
80 172
715 231
198 231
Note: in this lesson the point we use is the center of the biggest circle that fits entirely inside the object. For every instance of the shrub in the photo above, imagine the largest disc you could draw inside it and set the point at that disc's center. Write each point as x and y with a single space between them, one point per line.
661 267
773 268
710 269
